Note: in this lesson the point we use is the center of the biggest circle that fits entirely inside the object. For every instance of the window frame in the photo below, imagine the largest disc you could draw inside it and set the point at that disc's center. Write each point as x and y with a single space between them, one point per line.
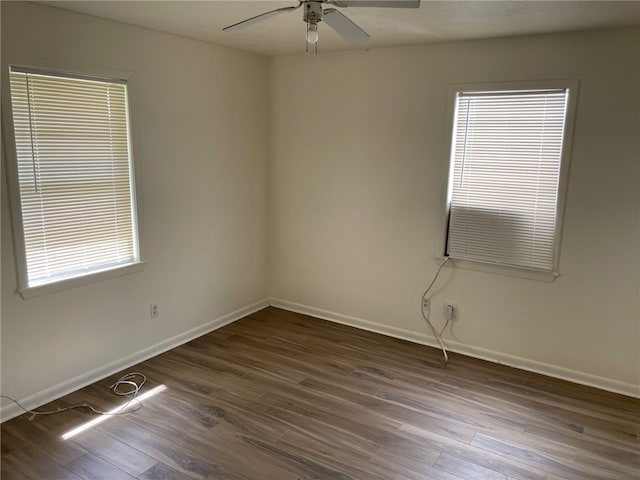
572 86
13 184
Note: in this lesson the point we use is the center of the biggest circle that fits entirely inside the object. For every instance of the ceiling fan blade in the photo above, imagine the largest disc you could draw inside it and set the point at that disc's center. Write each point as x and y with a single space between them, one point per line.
259 18
344 27
376 3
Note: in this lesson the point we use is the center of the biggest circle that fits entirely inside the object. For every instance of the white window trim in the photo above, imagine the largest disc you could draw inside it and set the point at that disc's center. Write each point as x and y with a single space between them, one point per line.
14 188
521 272
60 285
504 270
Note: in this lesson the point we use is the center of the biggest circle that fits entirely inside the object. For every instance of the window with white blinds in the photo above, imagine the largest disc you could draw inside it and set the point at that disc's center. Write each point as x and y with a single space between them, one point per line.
504 178
75 175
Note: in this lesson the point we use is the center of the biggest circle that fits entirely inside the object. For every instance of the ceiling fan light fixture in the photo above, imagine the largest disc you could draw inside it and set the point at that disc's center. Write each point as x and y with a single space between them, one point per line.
312 33
312 16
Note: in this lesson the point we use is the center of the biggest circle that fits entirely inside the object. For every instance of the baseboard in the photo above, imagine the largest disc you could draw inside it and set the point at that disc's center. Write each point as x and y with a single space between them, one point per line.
574 376
31 402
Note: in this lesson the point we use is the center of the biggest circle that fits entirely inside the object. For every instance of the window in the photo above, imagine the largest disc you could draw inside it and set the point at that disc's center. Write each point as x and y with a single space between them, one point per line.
505 177
74 175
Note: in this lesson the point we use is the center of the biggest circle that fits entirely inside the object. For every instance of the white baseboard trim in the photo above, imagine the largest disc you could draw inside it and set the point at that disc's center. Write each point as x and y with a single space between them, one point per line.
36 400
574 376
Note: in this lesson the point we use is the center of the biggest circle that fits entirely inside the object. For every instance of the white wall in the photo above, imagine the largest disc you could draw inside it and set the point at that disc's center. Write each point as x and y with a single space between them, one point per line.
358 161
199 121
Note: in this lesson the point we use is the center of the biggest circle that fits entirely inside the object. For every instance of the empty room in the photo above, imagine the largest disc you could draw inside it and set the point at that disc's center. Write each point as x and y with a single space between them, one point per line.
339 239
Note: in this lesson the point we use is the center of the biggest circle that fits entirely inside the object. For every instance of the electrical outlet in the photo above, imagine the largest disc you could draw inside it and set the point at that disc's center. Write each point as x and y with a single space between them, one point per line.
450 310
155 310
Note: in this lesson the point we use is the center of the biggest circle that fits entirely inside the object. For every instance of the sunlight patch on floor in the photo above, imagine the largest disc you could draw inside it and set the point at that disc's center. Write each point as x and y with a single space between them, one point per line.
116 411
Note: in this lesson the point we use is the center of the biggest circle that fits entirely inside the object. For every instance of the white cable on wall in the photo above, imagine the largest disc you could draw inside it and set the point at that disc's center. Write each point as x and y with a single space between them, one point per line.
436 334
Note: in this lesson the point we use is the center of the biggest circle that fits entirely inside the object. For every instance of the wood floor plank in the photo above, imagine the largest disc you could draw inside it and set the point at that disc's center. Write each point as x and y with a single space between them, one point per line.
180 368
543 461
593 446
353 419
551 411
466 469
470 453
12 471
169 451
310 465
356 446
9 442
35 465
114 451
160 471
282 396
327 460
92 467
207 412
405 409
287 347
397 463
476 395
45 442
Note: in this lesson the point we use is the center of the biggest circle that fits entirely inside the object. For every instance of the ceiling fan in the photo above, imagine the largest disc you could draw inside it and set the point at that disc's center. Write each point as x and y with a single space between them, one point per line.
313 13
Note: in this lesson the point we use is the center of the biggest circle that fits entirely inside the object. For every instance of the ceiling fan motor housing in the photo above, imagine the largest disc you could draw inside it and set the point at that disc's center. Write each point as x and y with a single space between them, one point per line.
312 12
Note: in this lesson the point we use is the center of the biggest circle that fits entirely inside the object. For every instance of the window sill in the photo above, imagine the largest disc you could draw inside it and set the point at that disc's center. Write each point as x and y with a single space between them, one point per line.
32 292
502 270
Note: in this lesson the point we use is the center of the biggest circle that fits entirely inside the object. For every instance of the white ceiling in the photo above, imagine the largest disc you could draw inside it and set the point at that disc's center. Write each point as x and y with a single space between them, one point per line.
434 21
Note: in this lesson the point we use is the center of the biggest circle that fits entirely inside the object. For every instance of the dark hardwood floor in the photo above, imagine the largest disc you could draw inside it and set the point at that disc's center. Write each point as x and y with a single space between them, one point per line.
282 396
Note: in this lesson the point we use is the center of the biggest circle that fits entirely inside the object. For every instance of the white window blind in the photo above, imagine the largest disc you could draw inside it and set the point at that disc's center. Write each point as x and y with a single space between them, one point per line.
503 192
74 174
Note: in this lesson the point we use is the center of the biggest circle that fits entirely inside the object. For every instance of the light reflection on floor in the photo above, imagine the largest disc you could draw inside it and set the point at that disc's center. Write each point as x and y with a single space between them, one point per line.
118 410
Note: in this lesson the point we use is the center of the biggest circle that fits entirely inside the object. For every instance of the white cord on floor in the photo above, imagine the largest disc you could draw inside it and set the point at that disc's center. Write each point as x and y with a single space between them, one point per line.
436 334
128 379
